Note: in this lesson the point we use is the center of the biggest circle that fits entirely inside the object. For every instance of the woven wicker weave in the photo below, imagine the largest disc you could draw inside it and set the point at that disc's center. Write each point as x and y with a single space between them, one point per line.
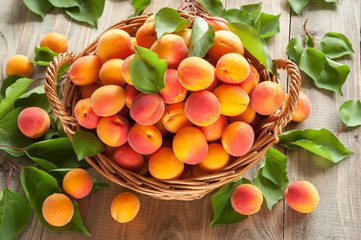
188 189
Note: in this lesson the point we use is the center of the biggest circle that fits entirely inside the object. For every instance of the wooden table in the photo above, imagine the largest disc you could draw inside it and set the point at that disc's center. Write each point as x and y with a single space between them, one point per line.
338 215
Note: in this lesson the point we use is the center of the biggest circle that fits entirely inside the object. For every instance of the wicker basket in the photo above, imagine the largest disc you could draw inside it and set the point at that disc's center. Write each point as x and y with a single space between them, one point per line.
188 189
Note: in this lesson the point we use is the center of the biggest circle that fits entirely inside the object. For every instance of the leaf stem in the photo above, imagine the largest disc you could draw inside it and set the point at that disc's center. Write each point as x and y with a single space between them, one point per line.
60 74
309 34
341 130
4 146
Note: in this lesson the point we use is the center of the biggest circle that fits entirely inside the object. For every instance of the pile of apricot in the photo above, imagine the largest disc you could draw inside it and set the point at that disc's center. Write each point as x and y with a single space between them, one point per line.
206 115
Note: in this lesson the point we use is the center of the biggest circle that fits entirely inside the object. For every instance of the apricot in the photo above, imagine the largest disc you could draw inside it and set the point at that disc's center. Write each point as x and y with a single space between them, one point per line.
195 73
234 100
125 69
174 118
163 164
202 108
110 72
113 130
218 23
114 43
248 116
145 139
146 35
58 209
232 68
302 196
77 183
19 65
190 145
267 97
85 70
56 42
172 48
173 92
186 35
147 109
130 93
133 44
303 108
214 131
33 122
251 81
216 159
87 91
247 199
85 115
238 138
225 42
108 100
125 206
125 157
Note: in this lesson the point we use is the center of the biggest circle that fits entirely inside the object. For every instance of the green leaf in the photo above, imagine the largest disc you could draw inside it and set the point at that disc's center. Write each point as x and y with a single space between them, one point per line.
14 214
298 5
36 97
334 1
254 43
168 20
139 5
87 144
222 206
309 41
336 45
64 68
252 9
12 93
38 185
350 113
43 56
40 7
311 62
294 49
271 178
53 153
321 142
268 25
89 11
202 37
6 83
235 15
147 71
64 3
214 7
11 135
333 76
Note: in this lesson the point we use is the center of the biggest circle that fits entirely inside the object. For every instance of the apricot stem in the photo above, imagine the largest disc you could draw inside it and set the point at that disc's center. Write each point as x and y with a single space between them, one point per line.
309 34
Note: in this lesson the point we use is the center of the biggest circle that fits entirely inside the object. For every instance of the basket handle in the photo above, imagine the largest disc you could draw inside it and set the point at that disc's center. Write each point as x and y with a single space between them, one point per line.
50 90
285 115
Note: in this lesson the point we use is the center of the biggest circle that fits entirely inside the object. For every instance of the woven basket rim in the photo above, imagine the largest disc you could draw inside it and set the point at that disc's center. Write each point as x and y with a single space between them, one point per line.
186 189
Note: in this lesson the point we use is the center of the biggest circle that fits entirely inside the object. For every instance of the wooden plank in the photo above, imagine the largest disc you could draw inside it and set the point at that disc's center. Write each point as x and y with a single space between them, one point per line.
337 216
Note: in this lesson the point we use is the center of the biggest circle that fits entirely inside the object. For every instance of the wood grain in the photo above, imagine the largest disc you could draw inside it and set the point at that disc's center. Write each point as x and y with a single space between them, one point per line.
338 214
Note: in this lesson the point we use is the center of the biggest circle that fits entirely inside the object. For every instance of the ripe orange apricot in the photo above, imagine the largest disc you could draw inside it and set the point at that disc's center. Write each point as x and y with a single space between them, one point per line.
77 183
247 199
58 209
33 122
19 65
110 72
85 70
125 206
163 164
302 196
114 43
56 42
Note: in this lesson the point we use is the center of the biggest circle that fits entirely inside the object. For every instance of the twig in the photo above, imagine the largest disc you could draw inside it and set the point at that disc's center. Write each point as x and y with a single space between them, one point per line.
309 34
341 131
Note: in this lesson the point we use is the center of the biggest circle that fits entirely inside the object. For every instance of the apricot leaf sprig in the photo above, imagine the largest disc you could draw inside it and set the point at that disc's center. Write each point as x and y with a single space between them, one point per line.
14 214
318 62
202 38
298 5
88 11
168 20
271 179
139 6
321 142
